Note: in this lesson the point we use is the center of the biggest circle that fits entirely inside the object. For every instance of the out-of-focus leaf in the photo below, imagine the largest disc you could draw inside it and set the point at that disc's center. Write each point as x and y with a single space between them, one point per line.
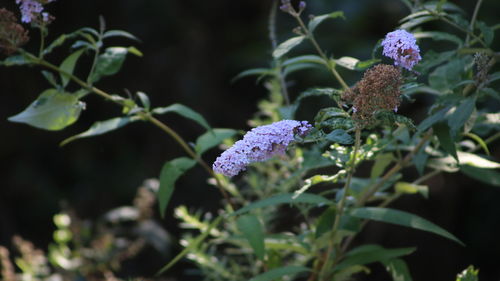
398 270
315 21
488 176
416 21
372 253
401 218
279 272
16 60
101 127
433 119
354 63
119 33
445 77
144 100
254 71
381 163
290 198
488 32
410 188
477 161
212 138
325 222
469 274
462 113
52 110
289 111
170 172
111 61
442 131
184 111
339 136
68 65
253 231
286 46
437 35
303 59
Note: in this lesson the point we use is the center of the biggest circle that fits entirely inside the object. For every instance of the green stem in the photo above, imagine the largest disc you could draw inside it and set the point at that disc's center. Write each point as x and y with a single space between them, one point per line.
473 20
42 43
310 36
145 116
341 206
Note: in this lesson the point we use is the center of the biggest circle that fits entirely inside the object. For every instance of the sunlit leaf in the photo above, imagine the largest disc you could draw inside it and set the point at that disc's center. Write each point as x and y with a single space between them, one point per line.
286 46
477 161
469 274
402 218
381 163
410 188
101 127
52 110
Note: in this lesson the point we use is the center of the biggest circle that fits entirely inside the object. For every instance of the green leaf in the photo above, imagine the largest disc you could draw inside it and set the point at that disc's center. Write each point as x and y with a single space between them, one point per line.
211 139
110 62
487 176
445 77
433 119
183 111
381 163
398 270
16 60
253 231
170 172
339 136
442 131
52 110
68 65
325 222
50 77
416 21
315 21
192 246
289 112
474 160
303 59
460 116
439 36
253 71
297 67
276 273
469 274
290 198
355 64
480 141
402 218
371 253
144 100
101 127
286 46
488 32
410 188
119 33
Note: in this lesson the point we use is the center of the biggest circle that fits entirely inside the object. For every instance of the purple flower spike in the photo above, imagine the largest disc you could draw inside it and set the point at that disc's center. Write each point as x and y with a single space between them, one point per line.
29 9
401 46
260 144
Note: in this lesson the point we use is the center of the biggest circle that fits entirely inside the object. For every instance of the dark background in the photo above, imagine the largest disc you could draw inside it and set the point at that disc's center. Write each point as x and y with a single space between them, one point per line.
192 49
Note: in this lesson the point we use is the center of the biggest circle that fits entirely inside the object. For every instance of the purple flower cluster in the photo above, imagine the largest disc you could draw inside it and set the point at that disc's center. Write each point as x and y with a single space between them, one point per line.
401 46
260 144
31 9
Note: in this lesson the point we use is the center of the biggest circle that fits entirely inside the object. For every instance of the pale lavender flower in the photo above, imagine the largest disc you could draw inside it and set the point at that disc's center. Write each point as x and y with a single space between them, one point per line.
260 144
31 9
401 46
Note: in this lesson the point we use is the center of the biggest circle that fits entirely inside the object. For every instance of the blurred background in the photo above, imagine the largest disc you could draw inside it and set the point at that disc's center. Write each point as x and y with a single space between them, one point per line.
192 49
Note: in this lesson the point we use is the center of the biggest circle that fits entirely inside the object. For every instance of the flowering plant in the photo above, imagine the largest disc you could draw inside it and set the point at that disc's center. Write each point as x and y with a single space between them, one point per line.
338 170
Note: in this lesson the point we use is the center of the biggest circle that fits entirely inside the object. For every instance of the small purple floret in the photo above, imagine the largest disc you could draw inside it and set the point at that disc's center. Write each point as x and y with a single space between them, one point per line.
31 9
401 46
259 144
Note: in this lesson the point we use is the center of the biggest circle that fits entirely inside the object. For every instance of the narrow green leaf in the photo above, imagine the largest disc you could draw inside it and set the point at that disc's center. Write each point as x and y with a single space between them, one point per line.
289 198
477 161
50 77
436 35
480 141
488 32
410 188
16 60
109 63
253 231
68 65
371 253
381 163
416 21
183 111
303 59
398 270
276 273
442 131
144 100
286 46
119 33
101 127
52 110
433 119
325 222
445 77
402 218
297 67
211 139
487 176
315 21
460 116
339 136
254 71
191 246
170 172
354 63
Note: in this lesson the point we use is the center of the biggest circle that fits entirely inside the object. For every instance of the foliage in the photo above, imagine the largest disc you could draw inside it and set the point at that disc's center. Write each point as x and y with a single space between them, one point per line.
316 182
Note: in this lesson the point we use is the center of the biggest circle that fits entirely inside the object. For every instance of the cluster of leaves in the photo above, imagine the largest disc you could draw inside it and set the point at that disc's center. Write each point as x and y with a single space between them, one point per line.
314 187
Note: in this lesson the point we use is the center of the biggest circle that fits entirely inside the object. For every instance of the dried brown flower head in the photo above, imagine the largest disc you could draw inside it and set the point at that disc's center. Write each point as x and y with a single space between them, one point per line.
12 34
377 91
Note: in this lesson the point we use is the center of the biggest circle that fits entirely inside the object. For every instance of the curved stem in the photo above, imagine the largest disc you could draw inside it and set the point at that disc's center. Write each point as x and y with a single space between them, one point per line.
473 20
310 36
145 116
